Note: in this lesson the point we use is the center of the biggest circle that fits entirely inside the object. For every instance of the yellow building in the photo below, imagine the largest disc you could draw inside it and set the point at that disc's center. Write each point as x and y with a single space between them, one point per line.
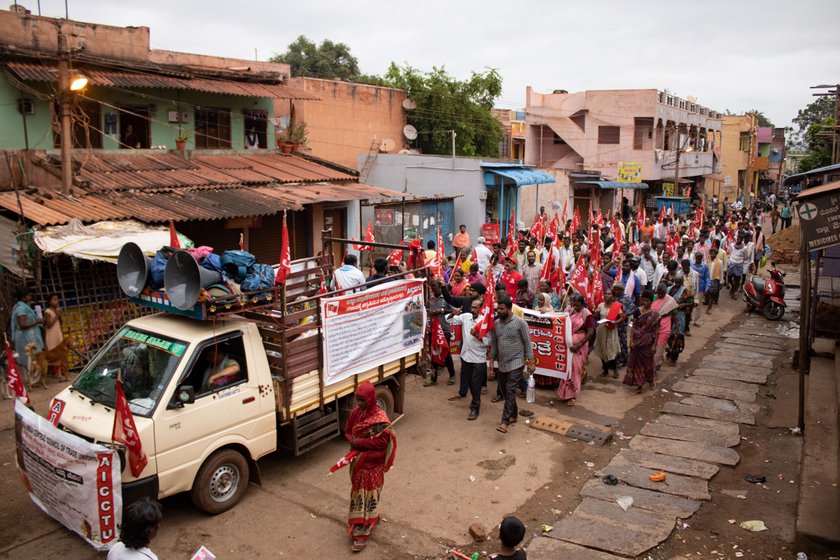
738 174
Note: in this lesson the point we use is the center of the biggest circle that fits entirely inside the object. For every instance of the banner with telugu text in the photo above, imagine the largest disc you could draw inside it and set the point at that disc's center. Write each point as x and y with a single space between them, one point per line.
551 334
371 328
75 482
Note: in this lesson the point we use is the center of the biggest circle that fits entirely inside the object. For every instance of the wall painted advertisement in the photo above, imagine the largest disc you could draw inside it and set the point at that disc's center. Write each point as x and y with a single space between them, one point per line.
550 336
75 482
371 328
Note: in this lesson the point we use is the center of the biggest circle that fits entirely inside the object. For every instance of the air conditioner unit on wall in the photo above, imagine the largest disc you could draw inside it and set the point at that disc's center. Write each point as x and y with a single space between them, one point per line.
26 106
482 195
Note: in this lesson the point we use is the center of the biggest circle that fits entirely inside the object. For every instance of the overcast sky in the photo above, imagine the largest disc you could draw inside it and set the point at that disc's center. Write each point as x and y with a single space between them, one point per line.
729 54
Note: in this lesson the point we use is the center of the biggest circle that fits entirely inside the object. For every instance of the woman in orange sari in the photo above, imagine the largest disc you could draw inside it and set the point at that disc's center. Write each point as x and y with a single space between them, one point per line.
583 327
368 431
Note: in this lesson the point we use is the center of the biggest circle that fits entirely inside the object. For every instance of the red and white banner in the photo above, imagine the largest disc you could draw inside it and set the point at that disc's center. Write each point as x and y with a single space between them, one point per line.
75 482
551 335
439 345
15 380
371 328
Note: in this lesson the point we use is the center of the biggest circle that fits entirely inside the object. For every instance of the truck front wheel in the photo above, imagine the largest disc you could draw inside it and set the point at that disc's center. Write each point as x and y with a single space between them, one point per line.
220 482
385 400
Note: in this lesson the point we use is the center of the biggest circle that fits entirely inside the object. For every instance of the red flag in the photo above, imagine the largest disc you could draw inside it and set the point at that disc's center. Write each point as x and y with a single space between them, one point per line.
554 228
579 279
344 461
672 245
558 280
595 251
661 214
511 235
125 432
563 215
395 256
597 296
285 256
173 236
547 268
368 237
591 221
322 289
456 267
439 346
617 232
599 218
538 229
15 382
575 221
485 321
241 241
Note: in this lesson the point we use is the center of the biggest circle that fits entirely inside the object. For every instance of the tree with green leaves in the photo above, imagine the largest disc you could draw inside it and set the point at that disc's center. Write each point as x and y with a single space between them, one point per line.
816 118
445 103
761 118
328 60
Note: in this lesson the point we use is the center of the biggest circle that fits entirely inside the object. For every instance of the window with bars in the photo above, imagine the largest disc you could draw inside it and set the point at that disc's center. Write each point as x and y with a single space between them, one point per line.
609 134
212 128
745 142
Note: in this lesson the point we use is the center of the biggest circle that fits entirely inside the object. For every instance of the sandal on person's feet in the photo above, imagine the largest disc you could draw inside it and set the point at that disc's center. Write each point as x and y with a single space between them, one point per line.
513 420
570 402
605 373
430 383
456 397
484 390
615 374
497 398
640 389
501 428
472 416
451 381
358 546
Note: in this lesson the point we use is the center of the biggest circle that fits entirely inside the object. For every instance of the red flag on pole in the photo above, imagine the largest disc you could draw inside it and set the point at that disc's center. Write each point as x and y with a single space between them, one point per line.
322 289
15 382
456 267
661 213
285 256
485 321
579 279
368 237
241 241
125 432
547 268
558 280
617 232
395 256
563 215
439 346
173 236
511 235
575 221
597 295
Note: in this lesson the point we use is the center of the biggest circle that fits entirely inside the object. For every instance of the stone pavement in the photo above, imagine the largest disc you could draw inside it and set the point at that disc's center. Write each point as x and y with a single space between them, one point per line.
689 439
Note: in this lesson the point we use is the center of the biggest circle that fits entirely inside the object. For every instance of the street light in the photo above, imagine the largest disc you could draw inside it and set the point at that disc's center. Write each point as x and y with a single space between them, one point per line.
78 82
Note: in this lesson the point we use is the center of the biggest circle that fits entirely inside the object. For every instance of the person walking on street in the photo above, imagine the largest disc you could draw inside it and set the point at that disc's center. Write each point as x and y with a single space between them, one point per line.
644 332
474 353
786 215
737 263
440 307
512 350
583 329
703 282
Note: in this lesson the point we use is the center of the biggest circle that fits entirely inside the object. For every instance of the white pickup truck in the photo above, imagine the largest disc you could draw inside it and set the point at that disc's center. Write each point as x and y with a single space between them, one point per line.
205 436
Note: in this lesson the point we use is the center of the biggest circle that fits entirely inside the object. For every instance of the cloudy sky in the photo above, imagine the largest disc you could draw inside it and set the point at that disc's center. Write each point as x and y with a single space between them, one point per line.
731 55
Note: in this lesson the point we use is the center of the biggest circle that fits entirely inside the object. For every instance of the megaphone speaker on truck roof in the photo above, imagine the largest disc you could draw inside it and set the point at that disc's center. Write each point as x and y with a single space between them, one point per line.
183 280
132 269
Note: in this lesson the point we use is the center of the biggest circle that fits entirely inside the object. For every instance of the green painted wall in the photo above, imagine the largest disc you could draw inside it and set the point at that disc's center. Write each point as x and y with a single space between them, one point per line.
162 132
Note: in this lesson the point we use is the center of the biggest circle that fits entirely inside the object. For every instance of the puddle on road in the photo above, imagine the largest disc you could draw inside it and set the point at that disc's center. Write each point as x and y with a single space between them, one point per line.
496 467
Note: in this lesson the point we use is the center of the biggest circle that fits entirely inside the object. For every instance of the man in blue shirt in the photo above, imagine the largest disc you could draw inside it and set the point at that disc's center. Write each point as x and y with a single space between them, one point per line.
704 280
632 286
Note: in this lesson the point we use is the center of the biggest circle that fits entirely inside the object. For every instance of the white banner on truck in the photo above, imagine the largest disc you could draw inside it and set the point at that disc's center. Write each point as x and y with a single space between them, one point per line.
75 482
371 328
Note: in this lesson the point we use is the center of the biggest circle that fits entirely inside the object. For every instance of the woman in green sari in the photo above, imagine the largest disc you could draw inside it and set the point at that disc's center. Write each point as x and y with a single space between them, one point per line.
26 329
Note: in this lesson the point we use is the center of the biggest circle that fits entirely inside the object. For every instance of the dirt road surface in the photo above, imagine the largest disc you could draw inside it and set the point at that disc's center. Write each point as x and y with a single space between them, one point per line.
449 473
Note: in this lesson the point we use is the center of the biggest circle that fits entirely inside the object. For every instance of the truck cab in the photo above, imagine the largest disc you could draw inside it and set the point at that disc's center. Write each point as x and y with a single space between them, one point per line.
189 418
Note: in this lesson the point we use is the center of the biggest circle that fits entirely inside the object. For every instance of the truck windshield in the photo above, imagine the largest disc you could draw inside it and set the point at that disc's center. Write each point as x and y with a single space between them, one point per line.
144 361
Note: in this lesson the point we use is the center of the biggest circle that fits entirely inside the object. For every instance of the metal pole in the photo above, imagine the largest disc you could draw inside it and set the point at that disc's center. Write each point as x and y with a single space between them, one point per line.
804 335
453 148
64 109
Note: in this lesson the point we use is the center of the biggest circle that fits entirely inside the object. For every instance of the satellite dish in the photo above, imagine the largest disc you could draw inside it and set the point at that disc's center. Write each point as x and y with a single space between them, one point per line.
409 132
409 104
387 145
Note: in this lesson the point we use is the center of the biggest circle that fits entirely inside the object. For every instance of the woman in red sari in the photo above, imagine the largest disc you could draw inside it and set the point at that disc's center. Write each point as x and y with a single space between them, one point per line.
642 341
665 306
583 327
368 432
458 284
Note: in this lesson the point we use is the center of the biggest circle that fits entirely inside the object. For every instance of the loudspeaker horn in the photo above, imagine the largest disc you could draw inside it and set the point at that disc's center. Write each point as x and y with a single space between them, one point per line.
132 269
183 280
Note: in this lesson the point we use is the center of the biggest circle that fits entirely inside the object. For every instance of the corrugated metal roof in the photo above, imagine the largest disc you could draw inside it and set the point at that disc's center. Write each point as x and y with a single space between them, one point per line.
124 79
109 171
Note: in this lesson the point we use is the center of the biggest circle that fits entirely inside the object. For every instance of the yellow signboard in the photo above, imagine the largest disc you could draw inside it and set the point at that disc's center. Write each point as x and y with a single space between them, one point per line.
629 172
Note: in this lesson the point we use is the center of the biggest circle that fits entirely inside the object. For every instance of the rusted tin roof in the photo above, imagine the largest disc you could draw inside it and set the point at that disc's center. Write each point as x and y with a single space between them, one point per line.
48 72
157 187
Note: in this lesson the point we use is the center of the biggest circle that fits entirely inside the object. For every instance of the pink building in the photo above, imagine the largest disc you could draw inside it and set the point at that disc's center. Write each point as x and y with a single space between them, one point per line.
582 137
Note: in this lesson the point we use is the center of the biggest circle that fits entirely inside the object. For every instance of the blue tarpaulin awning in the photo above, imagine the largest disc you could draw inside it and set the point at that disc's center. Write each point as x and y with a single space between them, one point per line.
613 184
521 175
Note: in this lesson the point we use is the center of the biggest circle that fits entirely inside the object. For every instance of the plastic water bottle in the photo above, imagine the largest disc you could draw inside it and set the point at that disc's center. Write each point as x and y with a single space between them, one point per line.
531 393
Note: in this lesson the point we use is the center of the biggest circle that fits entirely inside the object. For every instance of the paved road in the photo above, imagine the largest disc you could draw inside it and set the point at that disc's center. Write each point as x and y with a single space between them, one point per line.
429 499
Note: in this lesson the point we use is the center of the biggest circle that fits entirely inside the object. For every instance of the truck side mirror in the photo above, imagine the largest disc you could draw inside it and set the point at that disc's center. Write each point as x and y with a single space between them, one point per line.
185 395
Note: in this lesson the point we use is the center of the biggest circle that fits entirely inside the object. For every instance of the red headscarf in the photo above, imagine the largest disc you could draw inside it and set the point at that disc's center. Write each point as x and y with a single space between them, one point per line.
360 421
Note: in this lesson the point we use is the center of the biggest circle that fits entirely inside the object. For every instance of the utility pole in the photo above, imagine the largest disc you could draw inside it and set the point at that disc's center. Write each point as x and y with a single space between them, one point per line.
64 113
453 147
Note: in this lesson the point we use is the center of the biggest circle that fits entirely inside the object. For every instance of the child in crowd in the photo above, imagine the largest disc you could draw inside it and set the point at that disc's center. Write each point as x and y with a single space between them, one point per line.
141 520
511 533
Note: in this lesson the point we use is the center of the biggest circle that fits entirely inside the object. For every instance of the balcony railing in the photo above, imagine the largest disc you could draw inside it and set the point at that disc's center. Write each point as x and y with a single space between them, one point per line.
686 105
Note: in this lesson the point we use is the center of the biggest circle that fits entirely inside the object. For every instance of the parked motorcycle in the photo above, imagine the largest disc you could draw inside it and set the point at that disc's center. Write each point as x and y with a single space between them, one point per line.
766 295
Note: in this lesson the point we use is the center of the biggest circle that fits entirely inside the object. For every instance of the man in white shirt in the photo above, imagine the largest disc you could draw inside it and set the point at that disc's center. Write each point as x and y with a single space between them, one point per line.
567 254
348 275
635 266
661 268
548 249
473 357
482 255
648 265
